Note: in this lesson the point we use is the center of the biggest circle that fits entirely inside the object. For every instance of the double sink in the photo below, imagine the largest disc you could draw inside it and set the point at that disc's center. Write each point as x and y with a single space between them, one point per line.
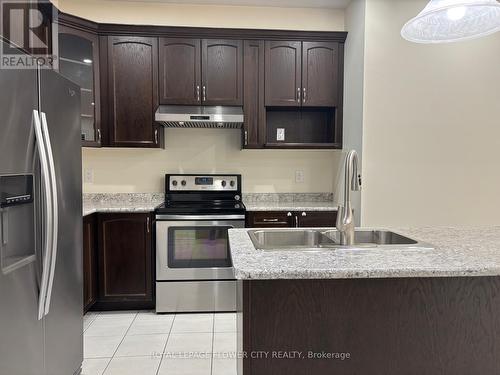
315 239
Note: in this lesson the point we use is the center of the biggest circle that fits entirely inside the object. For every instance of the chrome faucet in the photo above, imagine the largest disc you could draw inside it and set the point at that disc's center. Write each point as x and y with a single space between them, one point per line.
345 216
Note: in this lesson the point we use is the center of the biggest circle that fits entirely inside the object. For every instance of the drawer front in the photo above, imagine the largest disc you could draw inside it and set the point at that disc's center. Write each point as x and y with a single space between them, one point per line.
269 219
316 218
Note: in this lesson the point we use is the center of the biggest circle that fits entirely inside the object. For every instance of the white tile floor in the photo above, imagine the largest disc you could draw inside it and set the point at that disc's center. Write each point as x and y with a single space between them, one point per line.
144 343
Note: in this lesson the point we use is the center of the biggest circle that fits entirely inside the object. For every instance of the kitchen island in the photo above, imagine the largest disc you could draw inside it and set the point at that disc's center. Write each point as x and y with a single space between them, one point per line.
371 311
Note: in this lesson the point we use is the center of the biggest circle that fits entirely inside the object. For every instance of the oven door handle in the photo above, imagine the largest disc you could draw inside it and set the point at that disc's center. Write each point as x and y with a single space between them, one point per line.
200 217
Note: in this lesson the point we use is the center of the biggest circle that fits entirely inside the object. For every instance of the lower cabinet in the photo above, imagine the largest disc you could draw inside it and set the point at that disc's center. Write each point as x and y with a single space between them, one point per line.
117 261
125 261
90 289
287 219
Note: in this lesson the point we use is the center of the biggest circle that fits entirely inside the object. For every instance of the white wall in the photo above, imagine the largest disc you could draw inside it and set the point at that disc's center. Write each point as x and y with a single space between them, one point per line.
209 151
431 139
353 90
184 14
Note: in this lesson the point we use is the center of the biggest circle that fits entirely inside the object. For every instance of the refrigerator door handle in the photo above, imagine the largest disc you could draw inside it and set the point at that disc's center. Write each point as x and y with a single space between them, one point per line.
47 219
55 212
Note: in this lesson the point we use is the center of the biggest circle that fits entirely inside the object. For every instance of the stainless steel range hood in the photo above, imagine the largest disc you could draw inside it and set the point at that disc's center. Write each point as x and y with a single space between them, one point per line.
177 116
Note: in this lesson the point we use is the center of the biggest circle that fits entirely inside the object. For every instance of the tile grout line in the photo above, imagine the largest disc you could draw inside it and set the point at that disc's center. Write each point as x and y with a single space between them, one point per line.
123 338
165 346
213 343
92 321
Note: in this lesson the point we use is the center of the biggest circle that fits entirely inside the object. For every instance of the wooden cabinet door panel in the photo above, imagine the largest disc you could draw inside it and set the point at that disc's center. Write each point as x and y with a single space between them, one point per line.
253 94
320 74
269 219
283 73
125 257
133 91
180 71
316 218
90 287
222 72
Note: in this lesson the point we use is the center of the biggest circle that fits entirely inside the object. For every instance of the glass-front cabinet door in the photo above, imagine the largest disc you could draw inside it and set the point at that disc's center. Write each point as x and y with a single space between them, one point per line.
78 61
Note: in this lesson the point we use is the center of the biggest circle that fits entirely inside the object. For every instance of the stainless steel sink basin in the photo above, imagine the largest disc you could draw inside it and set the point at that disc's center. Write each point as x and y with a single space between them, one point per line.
373 237
279 239
315 239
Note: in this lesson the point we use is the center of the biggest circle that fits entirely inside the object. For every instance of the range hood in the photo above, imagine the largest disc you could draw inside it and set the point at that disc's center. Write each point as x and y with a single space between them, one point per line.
178 116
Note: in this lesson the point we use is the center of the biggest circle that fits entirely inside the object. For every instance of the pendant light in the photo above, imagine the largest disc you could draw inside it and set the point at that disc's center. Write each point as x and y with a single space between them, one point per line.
444 21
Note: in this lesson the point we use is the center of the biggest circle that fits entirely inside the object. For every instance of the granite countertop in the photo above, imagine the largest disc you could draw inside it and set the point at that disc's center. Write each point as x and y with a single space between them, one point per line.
121 202
291 206
458 252
147 202
289 202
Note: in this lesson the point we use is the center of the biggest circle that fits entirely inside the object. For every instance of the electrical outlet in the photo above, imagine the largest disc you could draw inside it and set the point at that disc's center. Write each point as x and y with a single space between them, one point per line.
280 134
88 176
299 177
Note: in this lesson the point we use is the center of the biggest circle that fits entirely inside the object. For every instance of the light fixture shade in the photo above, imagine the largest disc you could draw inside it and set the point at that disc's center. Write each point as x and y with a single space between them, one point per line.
444 21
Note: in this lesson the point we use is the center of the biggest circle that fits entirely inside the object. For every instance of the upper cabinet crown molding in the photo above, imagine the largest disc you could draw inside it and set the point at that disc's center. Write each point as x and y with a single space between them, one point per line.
201 32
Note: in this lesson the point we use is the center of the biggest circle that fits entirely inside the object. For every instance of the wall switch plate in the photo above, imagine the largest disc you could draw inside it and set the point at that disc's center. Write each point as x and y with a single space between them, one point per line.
299 177
88 176
280 134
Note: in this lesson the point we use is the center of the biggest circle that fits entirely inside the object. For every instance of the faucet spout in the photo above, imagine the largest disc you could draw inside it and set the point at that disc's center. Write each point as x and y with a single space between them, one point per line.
345 217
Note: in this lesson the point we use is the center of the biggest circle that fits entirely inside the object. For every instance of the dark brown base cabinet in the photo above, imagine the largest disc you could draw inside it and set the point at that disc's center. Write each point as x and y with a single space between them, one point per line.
407 326
287 219
117 261
125 261
90 287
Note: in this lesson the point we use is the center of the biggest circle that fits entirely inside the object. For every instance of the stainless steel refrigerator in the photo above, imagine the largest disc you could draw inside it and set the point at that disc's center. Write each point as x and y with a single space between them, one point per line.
40 224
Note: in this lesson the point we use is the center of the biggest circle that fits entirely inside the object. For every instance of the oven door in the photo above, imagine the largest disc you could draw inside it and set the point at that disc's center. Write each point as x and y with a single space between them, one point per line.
192 247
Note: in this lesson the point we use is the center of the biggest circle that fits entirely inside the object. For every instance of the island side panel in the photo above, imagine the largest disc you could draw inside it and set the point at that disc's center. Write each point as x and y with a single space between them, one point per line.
445 326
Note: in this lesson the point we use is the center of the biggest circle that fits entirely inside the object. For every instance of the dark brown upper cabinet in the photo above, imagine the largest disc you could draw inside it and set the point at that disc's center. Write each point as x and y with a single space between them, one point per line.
283 73
320 61
180 71
302 74
79 62
254 132
201 71
132 91
222 72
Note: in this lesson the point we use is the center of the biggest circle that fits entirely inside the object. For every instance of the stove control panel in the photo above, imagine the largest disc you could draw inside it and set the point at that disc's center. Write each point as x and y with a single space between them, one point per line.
203 183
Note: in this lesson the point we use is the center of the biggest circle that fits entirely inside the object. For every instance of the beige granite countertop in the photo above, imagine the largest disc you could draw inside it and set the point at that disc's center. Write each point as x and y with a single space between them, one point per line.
121 202
458 252
291 206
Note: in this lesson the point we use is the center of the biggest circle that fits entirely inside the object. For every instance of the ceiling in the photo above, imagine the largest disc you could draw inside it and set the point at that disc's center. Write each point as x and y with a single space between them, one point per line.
270 3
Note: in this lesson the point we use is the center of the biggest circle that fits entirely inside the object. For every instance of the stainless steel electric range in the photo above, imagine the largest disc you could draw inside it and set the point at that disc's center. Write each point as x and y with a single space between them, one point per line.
193 262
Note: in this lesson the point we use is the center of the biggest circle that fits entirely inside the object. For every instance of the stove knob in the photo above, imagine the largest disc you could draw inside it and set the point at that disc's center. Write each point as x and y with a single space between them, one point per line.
223 183
174 182
183 182
231 183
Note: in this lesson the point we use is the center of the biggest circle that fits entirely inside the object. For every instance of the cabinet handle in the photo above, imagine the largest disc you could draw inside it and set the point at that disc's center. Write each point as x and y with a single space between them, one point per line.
198 93
204 93
156 136
298 94
304 94
147 224
99 135
304 214
270 220
296 221
246 137
289 214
